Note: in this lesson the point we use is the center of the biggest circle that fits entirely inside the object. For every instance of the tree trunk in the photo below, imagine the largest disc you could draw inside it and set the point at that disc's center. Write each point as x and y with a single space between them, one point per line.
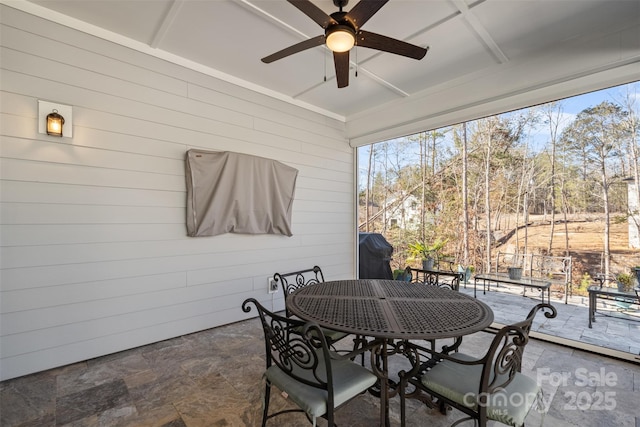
553 127
465 201
368 191
565 208
487 201
605 197
433 152
386 187
423 169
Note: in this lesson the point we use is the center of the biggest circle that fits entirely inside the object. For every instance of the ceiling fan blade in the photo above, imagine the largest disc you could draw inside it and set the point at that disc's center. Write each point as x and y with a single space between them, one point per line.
313 12
365 9
341 62
387 44
298 47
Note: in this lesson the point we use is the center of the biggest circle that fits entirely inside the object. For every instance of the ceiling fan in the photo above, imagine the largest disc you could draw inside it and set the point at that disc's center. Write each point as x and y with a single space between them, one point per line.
342 31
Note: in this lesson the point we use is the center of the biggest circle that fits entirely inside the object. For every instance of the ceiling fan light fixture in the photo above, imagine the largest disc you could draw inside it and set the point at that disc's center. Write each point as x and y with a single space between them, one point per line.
340 38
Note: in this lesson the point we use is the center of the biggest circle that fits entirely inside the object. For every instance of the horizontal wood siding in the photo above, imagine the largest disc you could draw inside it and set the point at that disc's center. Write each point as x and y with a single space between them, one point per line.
93 247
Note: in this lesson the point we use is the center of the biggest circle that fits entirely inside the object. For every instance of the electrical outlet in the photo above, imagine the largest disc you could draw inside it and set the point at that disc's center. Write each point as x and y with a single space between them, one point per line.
273 285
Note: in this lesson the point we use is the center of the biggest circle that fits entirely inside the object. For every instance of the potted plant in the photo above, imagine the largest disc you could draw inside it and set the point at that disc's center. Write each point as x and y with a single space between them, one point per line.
625 282
515 273
466 272
428 253
402 275
418 250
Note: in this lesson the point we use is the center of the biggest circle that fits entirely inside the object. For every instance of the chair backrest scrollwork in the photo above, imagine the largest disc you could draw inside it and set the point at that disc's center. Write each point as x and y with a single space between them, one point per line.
290 282
504 357
297 348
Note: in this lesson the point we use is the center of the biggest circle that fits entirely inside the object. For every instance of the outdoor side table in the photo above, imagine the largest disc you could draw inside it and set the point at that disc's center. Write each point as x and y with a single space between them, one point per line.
602 292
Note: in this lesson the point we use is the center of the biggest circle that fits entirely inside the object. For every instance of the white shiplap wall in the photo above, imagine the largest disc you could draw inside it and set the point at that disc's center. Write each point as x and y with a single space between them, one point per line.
94 253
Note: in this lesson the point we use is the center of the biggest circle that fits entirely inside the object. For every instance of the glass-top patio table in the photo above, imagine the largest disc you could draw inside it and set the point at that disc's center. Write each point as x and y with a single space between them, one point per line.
622 298
389 310
526 282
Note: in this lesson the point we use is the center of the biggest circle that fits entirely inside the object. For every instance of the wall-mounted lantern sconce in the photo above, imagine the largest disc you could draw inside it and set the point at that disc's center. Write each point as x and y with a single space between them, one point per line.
55 119
54 123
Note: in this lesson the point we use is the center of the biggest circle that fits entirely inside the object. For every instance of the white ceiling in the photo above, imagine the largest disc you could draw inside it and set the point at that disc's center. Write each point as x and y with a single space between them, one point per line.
468 41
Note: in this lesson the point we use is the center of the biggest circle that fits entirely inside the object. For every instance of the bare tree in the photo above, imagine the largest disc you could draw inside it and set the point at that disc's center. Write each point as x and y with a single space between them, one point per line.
488 130
553 112
423 176
596 132
465 198
631 126
367 201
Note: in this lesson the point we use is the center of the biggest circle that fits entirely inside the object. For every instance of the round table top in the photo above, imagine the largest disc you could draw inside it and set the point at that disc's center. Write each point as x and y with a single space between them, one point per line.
390 309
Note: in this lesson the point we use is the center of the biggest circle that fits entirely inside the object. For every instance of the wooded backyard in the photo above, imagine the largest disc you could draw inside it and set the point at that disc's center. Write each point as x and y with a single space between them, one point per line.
538 180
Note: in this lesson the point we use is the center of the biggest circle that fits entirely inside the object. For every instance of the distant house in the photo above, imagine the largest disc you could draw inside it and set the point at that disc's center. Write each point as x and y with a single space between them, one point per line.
403 212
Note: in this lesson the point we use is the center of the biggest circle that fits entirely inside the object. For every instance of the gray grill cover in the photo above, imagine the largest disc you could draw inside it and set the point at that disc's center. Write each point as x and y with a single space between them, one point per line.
375 257
238 193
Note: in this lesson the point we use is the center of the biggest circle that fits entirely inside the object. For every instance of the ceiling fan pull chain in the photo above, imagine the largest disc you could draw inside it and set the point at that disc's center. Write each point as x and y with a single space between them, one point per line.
356 52
325 66
356 49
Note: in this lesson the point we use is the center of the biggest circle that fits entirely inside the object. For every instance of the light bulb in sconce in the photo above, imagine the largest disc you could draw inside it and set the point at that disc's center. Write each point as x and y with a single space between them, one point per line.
54 123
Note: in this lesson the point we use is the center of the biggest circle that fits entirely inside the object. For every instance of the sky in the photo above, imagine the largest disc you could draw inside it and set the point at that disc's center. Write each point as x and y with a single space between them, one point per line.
571 107
615 94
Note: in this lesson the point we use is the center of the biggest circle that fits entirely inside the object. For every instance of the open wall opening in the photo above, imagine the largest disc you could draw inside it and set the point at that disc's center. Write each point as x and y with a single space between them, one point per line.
555 180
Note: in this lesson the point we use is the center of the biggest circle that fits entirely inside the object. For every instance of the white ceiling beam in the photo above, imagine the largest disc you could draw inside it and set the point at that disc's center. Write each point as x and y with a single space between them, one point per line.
480 31
166 23
261 12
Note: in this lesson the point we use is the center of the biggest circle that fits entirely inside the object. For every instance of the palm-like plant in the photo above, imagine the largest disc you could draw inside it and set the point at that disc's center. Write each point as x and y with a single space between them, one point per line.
424 251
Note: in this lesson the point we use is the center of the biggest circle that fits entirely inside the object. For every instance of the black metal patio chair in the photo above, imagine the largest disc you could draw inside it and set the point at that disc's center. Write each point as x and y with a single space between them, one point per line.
302 366
491 387
443 279
290 282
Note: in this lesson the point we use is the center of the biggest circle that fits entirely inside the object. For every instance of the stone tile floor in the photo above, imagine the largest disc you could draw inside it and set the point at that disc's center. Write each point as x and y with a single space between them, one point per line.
614 328
213 378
